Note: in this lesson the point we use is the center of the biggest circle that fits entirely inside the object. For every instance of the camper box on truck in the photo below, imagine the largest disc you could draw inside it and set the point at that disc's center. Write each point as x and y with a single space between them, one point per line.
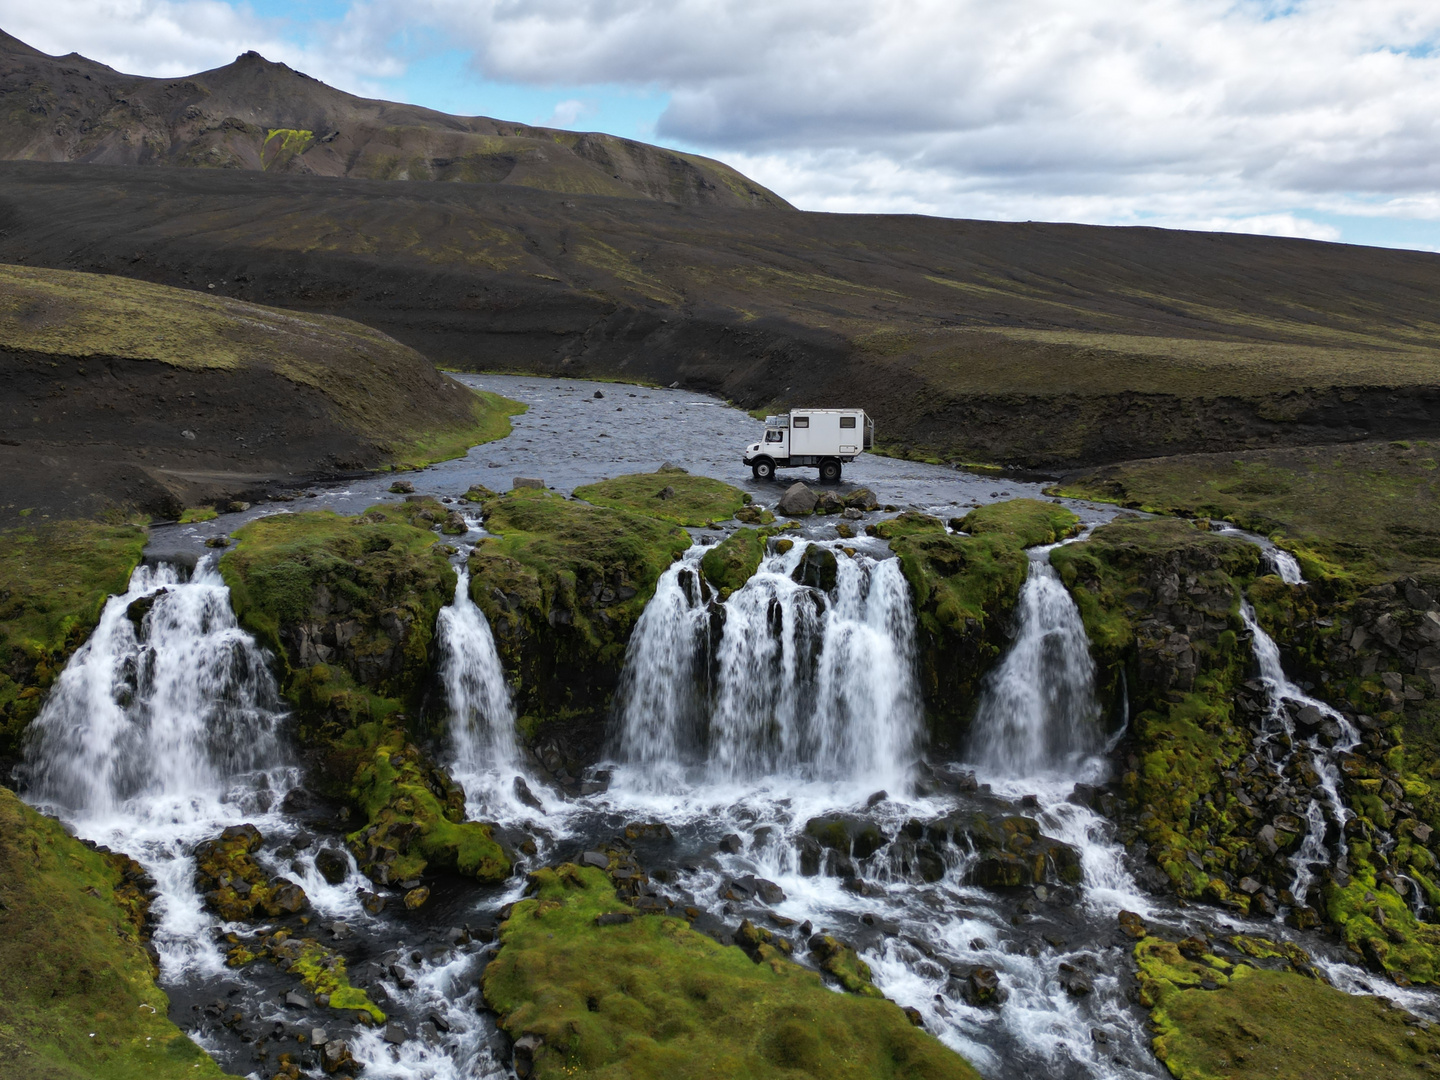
823 439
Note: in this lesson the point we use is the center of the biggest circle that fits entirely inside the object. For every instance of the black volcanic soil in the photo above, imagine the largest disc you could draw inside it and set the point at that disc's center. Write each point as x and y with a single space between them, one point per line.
115 436
1048 346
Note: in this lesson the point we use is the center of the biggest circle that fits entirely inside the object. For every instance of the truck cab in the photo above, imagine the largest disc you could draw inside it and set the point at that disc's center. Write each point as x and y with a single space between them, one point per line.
824 439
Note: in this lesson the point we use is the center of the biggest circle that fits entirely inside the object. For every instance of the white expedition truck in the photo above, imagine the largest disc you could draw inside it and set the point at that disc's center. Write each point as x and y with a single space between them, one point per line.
818 438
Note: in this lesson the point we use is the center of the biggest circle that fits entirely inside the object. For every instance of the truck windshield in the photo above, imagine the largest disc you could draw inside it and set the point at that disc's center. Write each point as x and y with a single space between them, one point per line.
774 435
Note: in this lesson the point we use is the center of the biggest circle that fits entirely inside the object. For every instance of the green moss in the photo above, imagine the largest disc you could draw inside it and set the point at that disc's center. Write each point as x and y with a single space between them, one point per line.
196 514
416 818
562 583
80 1001
1029 521
1215 1021
909 523
733 561
380 575
671 495
653 998
54 581
322 971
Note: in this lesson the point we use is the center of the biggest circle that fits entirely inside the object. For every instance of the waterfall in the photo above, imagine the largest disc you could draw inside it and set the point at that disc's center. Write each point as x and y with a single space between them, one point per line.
169 703
160 732
1037 711
482 718
663 686
1281 690
812 683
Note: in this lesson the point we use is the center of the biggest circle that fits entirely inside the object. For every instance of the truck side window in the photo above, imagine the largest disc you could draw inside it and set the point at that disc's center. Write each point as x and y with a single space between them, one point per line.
774 435
801 421
847 421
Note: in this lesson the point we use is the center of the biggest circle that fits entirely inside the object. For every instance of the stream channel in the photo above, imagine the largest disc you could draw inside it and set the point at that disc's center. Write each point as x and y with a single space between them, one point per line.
164 730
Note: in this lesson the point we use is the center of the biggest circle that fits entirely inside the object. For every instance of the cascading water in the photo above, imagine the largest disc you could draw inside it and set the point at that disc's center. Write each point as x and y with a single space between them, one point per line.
1037 712
162 730
808 684
482 718
1283 694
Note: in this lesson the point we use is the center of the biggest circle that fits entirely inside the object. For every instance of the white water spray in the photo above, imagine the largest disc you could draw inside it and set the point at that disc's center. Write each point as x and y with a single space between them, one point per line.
808 684
1281 690
482 725
161 731
1037 711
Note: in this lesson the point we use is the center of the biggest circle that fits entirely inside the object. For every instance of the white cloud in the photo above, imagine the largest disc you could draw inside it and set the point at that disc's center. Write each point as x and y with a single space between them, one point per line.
568 113
1266 115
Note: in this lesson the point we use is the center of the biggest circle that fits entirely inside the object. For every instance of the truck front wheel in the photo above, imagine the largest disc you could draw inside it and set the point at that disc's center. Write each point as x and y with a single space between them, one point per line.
829 471
764 469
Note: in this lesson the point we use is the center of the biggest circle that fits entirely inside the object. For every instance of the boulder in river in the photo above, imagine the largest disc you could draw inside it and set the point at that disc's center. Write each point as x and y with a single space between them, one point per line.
332 865
849 834
1011 850
235 886
798 501
402 487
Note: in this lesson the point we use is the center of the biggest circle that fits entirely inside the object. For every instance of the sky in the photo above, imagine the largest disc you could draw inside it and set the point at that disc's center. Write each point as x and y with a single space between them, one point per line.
1318 119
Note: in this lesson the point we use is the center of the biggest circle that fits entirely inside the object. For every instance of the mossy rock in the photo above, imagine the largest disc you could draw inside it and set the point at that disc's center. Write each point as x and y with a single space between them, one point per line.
318 968
819 568
1030 522
671 495
80 1001
966 589
1214 1018
359 594
235 886
1160 601
649 997
908 523
415 818
563 583
842 963
54 581
732 562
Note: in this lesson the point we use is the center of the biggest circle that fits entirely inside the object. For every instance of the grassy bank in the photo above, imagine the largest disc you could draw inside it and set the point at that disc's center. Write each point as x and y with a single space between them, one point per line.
80 1000
54 581
652 998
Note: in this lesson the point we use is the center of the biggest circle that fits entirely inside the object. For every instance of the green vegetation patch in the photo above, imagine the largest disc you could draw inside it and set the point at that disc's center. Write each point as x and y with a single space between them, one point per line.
670 494
80 1000
1180 687
1371 510
1029 522
1214 1020
587 568
653 998
379 389
733 561
356 593
54 581
416 819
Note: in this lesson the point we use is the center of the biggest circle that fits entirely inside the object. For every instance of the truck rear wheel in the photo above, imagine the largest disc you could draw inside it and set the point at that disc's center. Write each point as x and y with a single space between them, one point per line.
764 469
829 471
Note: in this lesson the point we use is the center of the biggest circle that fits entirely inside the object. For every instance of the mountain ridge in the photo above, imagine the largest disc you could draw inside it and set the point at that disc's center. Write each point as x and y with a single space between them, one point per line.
258 115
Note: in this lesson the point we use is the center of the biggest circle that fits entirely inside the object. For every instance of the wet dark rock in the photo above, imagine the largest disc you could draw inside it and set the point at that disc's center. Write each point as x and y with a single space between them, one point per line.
980 987
848 834
523 1055
332 865
861 499
597 859
797 501
336 1057
1132 925
876 799
297 1001
827 502
402 487
1012 851
373 903
818 569
731 844
525 796
913 1015
648 830
395 1034
1075 982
